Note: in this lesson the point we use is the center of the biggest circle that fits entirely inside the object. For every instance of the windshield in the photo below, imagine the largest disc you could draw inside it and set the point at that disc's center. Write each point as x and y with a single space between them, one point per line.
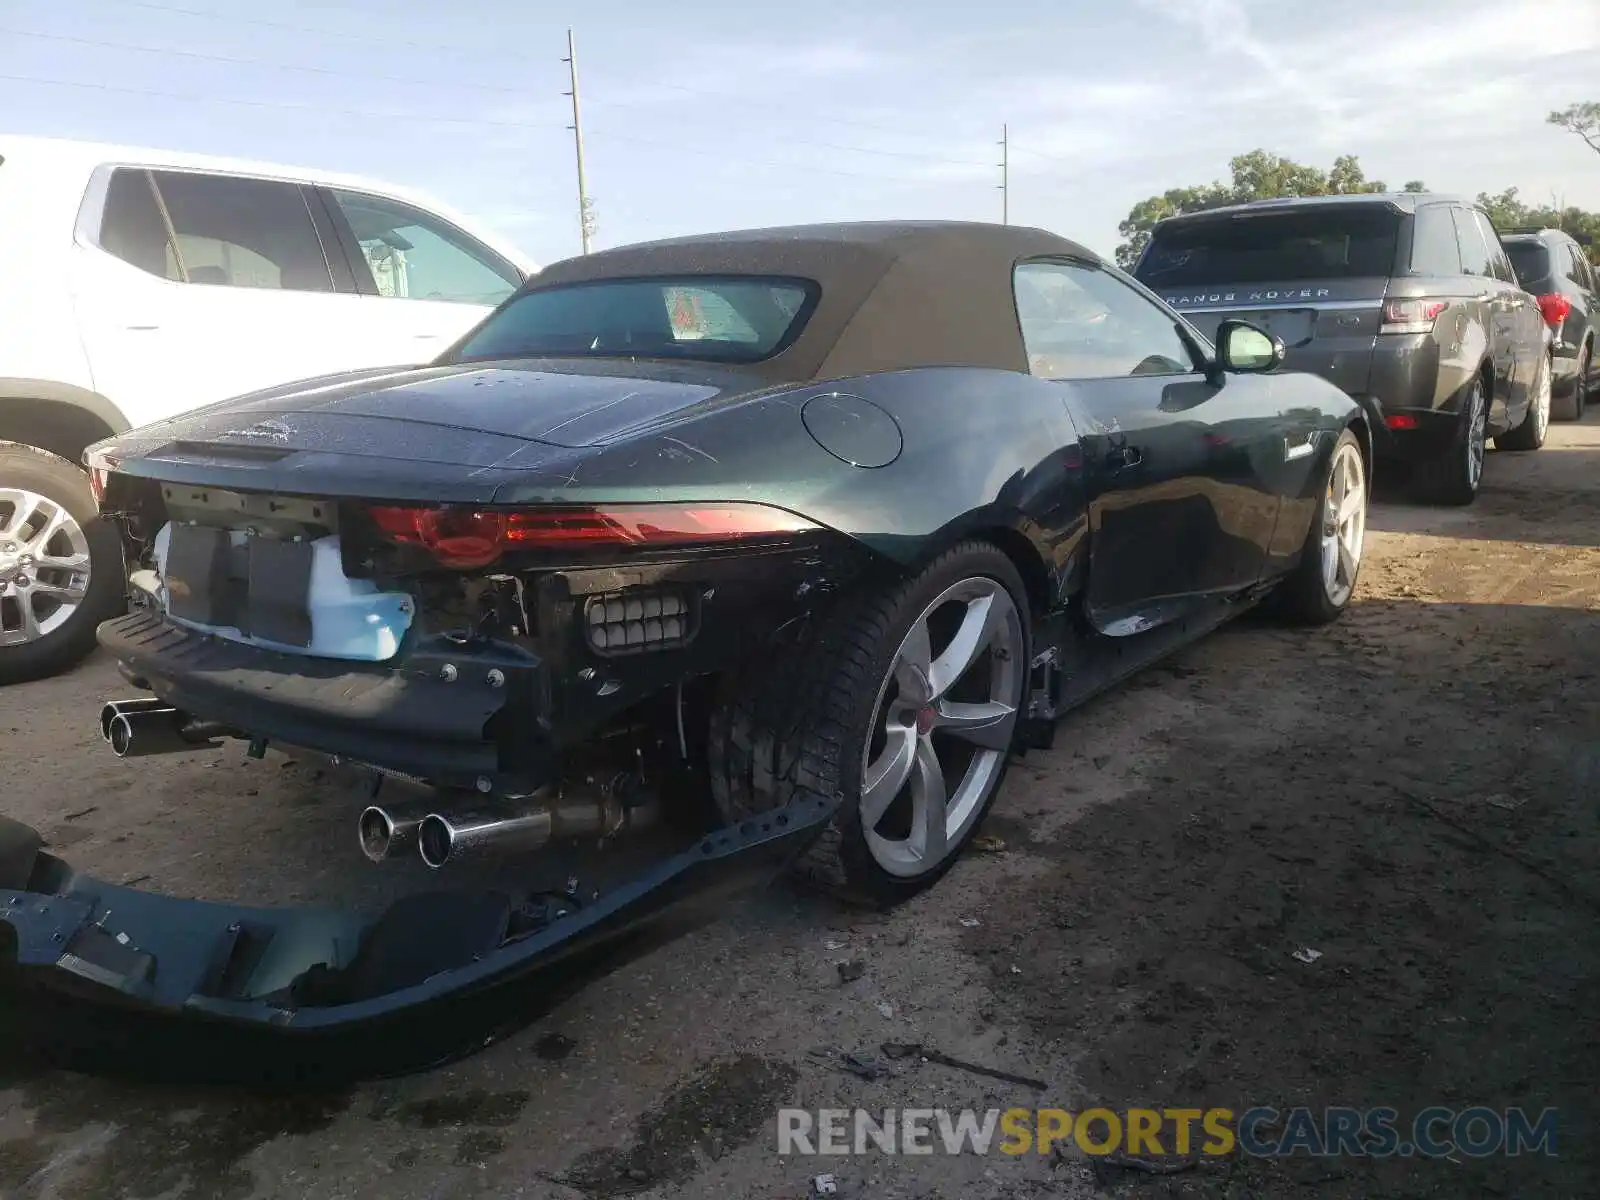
737 319
1530 260
1322 243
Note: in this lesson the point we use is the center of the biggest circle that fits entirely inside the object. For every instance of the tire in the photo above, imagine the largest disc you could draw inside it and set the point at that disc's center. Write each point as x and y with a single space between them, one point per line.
1455 476
1536 421
48 616
812 717
1309 596
1570 407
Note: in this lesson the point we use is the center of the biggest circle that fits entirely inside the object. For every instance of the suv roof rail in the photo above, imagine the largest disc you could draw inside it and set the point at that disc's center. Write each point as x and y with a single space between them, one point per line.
1583 239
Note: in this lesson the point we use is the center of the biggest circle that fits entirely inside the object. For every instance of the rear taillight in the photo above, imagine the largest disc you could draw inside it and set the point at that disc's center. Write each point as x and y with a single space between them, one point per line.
464 538
1555 308
1411 316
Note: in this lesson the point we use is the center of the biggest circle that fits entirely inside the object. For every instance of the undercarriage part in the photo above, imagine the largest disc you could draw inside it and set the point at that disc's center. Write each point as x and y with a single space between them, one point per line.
140 732
586 810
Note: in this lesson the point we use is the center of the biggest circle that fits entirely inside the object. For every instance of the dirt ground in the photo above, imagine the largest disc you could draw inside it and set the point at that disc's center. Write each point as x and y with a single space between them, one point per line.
1411 792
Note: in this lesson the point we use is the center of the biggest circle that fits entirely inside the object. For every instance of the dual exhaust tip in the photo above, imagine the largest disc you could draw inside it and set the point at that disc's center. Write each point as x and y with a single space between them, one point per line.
148 725
478 828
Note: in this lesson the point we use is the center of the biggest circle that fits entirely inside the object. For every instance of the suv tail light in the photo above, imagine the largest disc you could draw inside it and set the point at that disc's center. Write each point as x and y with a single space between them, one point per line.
463 538
1411 316
1555 308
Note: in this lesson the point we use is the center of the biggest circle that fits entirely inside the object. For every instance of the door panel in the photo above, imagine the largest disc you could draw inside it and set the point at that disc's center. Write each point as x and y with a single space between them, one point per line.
199 286
1176 468
1184 479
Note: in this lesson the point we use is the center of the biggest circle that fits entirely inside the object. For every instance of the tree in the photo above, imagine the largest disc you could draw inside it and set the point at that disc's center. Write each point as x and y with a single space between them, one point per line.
1507 211
1581 119
1258 175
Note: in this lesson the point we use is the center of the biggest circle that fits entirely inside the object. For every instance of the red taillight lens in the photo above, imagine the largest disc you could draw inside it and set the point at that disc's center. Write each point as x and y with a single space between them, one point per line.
1555 309
465 538
1400 421
1411 316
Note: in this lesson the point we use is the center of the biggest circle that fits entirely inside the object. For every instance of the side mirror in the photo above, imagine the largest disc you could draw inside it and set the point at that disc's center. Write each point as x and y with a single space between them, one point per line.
1244 349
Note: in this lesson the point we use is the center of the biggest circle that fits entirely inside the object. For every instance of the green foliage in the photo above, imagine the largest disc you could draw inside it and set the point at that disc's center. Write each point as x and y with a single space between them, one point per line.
1258 175
1507 211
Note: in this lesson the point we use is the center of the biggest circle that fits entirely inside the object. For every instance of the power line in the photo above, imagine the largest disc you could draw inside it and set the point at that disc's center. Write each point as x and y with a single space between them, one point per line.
191 98
479 51
230 19
330 72
261 62
794 141
311 108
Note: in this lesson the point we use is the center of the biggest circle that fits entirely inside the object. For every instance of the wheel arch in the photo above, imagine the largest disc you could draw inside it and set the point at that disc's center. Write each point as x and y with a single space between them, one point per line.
1014 536
58 417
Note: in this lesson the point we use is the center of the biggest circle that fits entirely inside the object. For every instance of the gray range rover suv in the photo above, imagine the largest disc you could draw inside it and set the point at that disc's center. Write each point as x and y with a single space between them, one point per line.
1406 301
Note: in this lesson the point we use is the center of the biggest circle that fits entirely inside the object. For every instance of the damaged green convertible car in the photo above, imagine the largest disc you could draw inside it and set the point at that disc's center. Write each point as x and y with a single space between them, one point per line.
735 553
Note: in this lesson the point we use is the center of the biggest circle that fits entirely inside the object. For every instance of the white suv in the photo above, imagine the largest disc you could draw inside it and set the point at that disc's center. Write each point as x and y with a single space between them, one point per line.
136 284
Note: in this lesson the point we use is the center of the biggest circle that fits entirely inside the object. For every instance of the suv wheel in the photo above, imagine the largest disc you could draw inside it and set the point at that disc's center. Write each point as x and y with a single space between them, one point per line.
1536 421
1454 476
60 565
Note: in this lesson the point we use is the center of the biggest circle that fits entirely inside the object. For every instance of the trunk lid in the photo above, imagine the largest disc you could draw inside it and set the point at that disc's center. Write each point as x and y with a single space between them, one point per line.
341 435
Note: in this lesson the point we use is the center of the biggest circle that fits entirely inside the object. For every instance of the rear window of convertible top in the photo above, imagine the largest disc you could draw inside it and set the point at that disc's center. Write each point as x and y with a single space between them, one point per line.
733 318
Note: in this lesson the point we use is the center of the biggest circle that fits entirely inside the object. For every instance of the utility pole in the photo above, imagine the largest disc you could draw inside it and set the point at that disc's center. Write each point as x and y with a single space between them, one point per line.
1005 175
585 214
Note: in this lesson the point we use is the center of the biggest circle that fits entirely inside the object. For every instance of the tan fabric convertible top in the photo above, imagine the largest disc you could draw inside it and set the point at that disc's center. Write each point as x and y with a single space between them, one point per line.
894 294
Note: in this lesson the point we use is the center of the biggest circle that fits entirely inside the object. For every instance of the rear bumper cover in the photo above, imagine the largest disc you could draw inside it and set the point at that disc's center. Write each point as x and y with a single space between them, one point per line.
105 978
416 718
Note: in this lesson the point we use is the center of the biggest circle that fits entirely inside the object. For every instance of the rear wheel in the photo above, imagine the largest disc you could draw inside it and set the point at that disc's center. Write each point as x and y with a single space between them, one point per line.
905 703
1453 478
1536 422
60 565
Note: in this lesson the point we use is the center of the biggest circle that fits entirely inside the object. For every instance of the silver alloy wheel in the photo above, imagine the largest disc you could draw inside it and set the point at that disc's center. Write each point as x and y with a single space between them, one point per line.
1541 401
1477 435
942 726
44 566
1344 524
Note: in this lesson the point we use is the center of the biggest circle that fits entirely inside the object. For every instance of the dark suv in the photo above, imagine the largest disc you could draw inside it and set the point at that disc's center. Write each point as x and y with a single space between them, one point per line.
1406 301
1551 265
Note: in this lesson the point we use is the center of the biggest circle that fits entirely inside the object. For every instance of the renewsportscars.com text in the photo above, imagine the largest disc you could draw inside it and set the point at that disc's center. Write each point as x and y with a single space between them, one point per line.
1261 1132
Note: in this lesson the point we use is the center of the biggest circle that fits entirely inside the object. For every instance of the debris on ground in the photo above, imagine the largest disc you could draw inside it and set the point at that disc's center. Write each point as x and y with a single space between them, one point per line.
824 1185
852 970
984 844
862 1068
900 1049
1307 955
885 1009
970 922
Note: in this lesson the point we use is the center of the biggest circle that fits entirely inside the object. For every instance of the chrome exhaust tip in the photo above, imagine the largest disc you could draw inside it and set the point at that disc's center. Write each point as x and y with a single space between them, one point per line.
112 708
443 838
139 733
385 830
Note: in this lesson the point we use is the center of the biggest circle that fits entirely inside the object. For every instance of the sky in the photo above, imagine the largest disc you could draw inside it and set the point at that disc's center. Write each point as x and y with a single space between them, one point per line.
723 115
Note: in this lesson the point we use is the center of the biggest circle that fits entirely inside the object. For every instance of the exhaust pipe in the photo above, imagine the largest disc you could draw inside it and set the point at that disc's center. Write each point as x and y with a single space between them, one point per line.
499 829
138 733
387 829
115 708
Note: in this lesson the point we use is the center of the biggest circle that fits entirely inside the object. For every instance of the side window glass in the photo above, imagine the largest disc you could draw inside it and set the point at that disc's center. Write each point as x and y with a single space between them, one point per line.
1433 242
415 256
1499 264
1474 253
235 232
131 226
1080 322
1577 267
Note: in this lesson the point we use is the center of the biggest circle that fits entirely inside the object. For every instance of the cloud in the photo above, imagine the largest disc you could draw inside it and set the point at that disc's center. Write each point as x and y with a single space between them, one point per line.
1225 28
